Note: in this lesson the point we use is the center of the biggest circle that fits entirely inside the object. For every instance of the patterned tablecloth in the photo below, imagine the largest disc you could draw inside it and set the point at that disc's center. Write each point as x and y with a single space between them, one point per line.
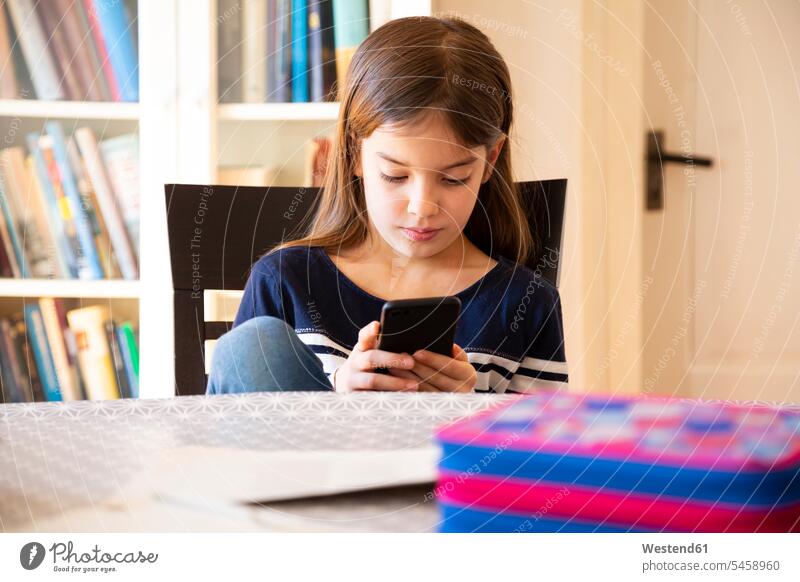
67 466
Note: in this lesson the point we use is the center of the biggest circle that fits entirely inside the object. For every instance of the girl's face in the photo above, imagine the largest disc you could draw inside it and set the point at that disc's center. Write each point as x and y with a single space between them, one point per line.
421 184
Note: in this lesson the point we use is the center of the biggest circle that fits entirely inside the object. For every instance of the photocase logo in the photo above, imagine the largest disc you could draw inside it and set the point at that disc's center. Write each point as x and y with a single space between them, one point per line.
31 555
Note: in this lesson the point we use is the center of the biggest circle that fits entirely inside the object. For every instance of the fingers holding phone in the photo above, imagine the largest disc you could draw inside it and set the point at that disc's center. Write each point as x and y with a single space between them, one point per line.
360 371
439 373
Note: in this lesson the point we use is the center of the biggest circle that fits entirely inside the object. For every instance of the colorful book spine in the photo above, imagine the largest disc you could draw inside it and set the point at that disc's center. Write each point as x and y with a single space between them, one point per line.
93 63
68 260
68 182
9 89
94 354
56 266
18 187
351 18
26 356
101 238
5 264
19 371
11 391
282 89
34 45
52 20
121 157
66 368
102 51
116 357
41 352
118 37
17 62
133 348
82 67
127 346
117 232
321 50
299 51
7 208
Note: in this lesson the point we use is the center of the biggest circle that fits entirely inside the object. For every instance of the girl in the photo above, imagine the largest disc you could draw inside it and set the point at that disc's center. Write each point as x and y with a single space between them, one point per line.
418 201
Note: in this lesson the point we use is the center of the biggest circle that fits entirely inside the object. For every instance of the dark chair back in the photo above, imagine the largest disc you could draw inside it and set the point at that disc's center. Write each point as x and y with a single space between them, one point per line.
216 233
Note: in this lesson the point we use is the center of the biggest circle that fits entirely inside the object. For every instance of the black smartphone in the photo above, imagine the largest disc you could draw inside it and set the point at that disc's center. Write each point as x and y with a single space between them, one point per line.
408 325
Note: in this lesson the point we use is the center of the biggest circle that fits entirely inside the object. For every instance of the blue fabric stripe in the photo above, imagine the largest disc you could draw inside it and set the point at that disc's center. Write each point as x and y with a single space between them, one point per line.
751 488
456 519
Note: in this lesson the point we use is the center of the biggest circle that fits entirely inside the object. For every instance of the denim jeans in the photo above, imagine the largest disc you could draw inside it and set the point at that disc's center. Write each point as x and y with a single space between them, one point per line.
264 354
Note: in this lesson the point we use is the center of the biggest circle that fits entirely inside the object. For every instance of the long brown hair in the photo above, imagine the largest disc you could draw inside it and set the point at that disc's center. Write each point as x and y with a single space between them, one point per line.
404 69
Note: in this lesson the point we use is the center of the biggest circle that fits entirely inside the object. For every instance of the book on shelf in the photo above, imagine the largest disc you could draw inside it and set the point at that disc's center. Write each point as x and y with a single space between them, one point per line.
60 341
351 26
229 52
82 50
288 51
43 357
51 353
321 53
121 158
299 48
69 207
96 353
254 49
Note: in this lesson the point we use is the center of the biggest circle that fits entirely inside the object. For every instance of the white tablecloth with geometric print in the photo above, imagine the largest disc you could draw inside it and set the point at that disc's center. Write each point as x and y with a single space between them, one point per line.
58 458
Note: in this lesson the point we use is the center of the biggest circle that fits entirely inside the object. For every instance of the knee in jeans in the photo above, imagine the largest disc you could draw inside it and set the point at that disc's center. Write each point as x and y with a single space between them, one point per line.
240 354
250 338
262 325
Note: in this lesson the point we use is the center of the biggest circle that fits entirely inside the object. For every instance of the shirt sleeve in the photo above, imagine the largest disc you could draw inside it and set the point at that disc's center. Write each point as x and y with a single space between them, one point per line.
544 366
262 296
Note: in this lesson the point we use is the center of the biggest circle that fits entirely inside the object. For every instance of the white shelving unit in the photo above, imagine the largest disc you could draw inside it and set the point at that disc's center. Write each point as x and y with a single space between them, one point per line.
70 288
184 135
277 111
35 109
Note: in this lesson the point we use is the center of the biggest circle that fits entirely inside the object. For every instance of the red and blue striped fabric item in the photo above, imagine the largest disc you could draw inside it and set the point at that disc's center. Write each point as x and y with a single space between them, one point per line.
561 462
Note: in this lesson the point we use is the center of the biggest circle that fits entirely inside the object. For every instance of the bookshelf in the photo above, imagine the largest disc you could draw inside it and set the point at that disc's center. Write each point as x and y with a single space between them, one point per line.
184 135
151 118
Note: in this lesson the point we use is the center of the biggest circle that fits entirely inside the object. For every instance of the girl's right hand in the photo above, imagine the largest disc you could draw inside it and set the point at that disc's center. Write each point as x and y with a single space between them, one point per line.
359 371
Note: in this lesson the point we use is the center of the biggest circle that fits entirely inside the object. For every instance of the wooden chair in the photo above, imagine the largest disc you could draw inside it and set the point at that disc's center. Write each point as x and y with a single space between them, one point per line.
217 232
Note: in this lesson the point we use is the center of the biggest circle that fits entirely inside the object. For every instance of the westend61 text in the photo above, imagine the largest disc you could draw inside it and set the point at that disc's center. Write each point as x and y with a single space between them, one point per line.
673 549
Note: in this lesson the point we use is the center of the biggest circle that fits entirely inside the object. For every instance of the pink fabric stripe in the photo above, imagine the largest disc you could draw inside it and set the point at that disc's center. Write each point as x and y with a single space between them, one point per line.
580 502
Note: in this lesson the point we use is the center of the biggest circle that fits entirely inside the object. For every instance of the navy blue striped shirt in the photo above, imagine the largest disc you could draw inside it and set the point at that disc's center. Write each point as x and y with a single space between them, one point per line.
510 324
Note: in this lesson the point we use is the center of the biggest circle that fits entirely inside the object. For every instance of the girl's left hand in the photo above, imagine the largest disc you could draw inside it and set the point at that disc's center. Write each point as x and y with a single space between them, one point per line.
439 373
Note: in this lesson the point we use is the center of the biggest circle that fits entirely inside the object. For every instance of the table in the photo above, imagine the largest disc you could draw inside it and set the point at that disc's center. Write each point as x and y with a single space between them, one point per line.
68 466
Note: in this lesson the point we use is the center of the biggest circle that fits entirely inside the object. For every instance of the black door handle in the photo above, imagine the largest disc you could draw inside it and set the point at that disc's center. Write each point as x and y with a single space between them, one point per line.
656 158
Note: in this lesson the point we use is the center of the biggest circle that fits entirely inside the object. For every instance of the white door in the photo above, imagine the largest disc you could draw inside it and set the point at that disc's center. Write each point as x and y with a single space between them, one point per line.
721 313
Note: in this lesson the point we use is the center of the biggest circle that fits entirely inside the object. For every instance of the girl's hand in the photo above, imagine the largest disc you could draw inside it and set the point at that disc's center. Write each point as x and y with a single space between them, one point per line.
438 373
358 372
